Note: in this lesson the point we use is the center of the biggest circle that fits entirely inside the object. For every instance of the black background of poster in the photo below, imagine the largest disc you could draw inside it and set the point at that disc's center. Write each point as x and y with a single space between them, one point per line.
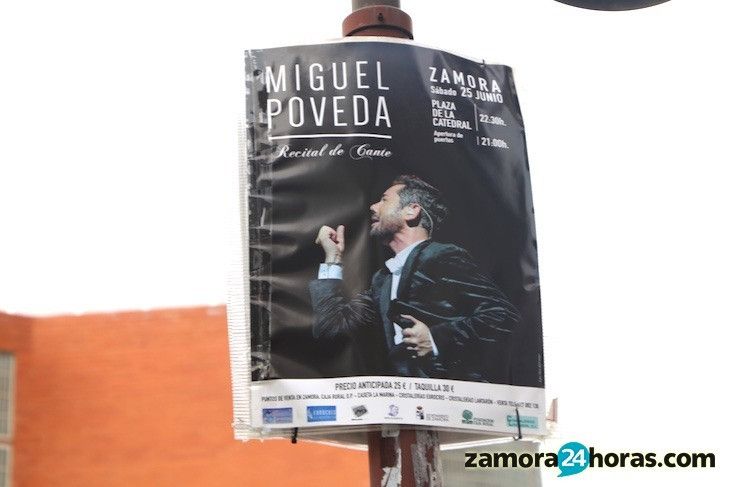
486 189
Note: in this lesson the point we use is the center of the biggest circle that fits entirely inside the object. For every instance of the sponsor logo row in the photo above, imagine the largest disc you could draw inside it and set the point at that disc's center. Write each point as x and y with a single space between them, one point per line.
318 414
327 413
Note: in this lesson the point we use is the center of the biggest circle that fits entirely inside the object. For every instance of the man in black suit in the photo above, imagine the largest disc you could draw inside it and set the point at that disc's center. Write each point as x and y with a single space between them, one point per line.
429 312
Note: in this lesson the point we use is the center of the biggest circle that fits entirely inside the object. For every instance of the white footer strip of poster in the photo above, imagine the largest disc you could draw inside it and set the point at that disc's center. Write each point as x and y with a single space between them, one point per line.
287 403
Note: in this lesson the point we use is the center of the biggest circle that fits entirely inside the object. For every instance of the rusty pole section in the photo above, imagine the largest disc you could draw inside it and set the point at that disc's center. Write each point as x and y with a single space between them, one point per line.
382 18
404 458
397 457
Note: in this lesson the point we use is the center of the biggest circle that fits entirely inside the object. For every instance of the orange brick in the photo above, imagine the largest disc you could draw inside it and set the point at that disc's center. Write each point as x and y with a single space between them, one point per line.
144 399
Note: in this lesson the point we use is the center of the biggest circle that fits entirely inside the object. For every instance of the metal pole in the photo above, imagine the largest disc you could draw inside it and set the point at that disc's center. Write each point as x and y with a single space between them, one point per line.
397 457
382 18
358 4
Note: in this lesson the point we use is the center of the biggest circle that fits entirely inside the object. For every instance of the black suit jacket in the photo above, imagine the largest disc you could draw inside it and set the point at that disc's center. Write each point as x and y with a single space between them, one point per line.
470 319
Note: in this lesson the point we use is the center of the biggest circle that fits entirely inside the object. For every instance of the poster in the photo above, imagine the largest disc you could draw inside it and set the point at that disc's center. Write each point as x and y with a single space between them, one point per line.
389 261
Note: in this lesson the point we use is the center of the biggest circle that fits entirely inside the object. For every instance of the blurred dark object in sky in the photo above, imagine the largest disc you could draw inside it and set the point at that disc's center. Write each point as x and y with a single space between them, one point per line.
612 4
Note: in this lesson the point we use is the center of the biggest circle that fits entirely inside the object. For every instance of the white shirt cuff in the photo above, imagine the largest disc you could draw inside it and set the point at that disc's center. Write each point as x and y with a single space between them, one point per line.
433 344
330 271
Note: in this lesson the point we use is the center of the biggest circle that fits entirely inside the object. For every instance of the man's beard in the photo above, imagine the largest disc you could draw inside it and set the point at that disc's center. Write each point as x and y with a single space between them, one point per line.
386 228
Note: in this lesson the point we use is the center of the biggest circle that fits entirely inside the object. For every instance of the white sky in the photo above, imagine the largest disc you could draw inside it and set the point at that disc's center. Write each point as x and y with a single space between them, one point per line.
118 142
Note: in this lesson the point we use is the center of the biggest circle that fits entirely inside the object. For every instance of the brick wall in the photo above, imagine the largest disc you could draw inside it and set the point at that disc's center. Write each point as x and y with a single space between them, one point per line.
143 399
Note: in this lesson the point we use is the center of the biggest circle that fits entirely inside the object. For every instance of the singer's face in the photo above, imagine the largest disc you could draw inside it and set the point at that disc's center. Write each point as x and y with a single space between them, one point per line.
386 216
